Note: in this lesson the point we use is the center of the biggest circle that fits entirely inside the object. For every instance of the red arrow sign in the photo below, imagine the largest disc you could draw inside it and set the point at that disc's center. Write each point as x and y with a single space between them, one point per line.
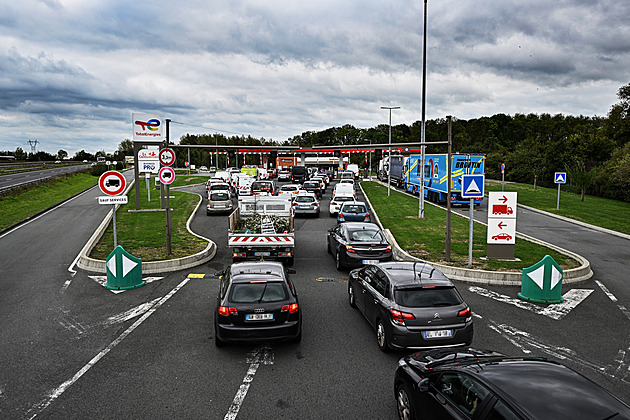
504 199
501 225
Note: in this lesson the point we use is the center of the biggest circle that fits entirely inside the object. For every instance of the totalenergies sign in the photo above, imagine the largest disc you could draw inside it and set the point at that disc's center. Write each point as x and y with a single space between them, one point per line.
147 127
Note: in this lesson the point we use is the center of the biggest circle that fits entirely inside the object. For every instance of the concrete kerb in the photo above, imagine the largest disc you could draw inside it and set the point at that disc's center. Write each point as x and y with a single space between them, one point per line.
501 278
150 267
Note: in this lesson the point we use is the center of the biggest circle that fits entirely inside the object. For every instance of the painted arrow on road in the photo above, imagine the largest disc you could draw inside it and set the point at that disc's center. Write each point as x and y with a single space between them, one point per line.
555 311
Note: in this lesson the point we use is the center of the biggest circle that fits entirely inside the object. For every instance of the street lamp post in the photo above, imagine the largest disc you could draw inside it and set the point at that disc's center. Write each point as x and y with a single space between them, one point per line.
389 166
424 102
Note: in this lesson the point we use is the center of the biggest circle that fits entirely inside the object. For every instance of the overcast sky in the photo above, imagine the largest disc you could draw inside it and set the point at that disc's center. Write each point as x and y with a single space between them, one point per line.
73 71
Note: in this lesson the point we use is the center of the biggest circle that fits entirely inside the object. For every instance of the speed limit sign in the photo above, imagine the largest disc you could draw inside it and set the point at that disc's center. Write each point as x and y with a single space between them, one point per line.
167 156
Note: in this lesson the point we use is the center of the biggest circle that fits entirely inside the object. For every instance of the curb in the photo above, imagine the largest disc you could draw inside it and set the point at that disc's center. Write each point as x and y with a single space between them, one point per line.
152 267
499 278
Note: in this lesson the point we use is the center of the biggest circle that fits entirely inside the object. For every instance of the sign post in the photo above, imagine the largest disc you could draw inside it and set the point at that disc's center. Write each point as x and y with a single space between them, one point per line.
112 183
559 178
502 176
472 187
167 176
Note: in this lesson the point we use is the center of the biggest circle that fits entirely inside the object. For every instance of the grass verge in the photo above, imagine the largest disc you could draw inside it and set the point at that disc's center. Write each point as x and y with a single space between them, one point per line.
22 203
597 211
143 233
425 238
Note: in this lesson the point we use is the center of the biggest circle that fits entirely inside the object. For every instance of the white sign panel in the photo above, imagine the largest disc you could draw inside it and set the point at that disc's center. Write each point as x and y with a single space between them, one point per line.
501 231
502 205
150 166
147 127
148 154
113 200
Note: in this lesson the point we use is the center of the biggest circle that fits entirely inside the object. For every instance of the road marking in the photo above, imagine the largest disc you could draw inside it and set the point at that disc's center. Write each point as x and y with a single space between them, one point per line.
57 392
555 311
613 298
261 355
103 279
131 313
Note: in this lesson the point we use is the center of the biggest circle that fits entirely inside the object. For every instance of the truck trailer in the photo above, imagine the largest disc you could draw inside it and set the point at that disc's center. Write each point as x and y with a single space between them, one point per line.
397 169
436 175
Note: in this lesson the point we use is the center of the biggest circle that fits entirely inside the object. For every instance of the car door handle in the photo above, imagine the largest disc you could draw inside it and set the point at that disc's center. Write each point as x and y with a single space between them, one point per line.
375 301
363 290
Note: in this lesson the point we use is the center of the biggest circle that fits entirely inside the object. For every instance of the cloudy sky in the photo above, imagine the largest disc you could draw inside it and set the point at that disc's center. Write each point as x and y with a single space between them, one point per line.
73 71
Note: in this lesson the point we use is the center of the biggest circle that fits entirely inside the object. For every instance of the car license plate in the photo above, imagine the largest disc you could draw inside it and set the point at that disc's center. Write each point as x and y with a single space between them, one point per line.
262 254
438 334
258 317
370 261
305 207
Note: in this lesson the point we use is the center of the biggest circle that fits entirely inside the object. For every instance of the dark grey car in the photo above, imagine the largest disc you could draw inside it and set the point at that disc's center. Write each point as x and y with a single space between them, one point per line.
411 305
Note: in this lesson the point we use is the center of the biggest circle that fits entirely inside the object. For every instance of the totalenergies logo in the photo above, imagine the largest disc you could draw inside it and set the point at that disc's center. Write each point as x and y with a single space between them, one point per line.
152 124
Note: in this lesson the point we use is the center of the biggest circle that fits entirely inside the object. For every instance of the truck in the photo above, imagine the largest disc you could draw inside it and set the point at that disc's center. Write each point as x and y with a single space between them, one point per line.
397 166
262 228
436 175
502 209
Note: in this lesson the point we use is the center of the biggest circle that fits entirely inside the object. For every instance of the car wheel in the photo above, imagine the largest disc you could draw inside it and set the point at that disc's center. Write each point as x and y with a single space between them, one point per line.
381 336
331 214
289 262
328 246
403 404
338 262
299 337
351 298
217 341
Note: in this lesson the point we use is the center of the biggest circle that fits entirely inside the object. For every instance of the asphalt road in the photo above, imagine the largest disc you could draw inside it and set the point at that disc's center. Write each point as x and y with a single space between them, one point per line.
74 350
23 178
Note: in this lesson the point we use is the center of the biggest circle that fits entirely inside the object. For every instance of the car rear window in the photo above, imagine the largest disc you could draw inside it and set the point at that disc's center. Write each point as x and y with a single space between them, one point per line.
366 236
353 209
304 199
258 292
423 297
219 197
261 186
343 198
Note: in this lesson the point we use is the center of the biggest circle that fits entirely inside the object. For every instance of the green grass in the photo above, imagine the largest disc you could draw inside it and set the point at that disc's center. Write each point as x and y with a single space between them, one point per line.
143 233
25 202
425 238
610 214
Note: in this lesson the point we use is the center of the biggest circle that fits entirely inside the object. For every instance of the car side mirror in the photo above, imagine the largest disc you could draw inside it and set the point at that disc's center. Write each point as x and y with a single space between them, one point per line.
219 274
423 385
290 271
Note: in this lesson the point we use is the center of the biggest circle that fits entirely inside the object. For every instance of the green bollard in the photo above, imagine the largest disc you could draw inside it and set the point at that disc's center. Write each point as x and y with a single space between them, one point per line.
542 282
124 271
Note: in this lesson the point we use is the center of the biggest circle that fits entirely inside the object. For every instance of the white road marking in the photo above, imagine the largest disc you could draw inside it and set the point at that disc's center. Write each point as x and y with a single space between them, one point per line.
555 311
131 313
261 355
42 405
613 298
103 279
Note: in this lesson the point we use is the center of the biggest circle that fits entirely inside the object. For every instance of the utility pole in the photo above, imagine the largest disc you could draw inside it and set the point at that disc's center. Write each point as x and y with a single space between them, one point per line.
448 189
424 104
389 168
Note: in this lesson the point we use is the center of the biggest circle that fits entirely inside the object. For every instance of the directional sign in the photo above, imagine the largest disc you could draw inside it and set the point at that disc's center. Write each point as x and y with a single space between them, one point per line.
166 175
472 186
124 271
502 204
560 178
112 183
167 156
501 231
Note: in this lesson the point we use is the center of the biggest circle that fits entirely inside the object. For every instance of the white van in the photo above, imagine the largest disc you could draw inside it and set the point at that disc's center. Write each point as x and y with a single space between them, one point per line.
344 189
245 184
354 169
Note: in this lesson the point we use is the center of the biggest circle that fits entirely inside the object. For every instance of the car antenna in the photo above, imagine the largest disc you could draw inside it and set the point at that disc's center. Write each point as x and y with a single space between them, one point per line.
414 272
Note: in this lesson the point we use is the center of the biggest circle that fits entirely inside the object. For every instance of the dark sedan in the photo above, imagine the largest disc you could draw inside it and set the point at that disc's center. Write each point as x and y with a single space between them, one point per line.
410 305
257 301
313 187
355 244
471 384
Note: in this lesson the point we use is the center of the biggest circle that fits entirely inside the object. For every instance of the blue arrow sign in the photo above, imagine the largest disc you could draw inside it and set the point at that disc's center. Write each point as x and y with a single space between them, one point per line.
472 186
560 178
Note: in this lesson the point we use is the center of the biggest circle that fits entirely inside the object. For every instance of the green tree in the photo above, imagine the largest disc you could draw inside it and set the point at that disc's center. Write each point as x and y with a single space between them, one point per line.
580 176
62 154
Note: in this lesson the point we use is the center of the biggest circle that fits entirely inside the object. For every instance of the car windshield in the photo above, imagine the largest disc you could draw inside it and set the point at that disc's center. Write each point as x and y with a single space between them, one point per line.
288 188
261 186
366 236
304 199
311 185
258 292
219 197
353 208
219 187
427 297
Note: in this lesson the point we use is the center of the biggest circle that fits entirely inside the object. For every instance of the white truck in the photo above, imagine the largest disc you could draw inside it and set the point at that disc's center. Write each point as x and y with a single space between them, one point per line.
262 228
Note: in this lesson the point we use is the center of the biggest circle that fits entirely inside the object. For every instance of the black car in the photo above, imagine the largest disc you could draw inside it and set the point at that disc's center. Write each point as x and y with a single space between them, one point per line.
257 301
313 187
355 244
410 305
471 384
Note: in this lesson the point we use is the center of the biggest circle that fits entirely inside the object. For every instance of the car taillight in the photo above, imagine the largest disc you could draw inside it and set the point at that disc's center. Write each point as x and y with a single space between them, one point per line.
292 308
227 311
465 313
400 317
333 203
367 217
341 216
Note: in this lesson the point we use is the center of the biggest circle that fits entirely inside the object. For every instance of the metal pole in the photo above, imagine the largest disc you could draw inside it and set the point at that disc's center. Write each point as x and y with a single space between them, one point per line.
389 166
448 190
168 201
424 101
558 202
114 224
370 158
470 232
136 171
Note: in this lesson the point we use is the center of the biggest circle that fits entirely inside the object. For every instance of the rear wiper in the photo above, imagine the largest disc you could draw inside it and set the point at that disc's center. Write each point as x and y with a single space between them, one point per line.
263 293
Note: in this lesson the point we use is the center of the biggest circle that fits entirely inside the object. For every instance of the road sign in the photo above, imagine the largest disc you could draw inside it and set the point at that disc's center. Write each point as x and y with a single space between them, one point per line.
113 200
166 175
501 231
167 156
542 282
124 271
472 186
503 168
112 183
502 204
560 178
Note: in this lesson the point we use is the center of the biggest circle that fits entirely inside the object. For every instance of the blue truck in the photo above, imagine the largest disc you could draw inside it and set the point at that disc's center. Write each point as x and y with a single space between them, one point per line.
436 175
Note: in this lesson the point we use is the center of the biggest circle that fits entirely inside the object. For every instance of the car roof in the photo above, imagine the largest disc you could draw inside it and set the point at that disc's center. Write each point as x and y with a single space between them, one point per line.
354 226
407 274
353 203
246 271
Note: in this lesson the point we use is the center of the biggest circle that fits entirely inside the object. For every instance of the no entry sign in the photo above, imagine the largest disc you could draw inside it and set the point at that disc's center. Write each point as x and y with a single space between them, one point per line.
112 183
